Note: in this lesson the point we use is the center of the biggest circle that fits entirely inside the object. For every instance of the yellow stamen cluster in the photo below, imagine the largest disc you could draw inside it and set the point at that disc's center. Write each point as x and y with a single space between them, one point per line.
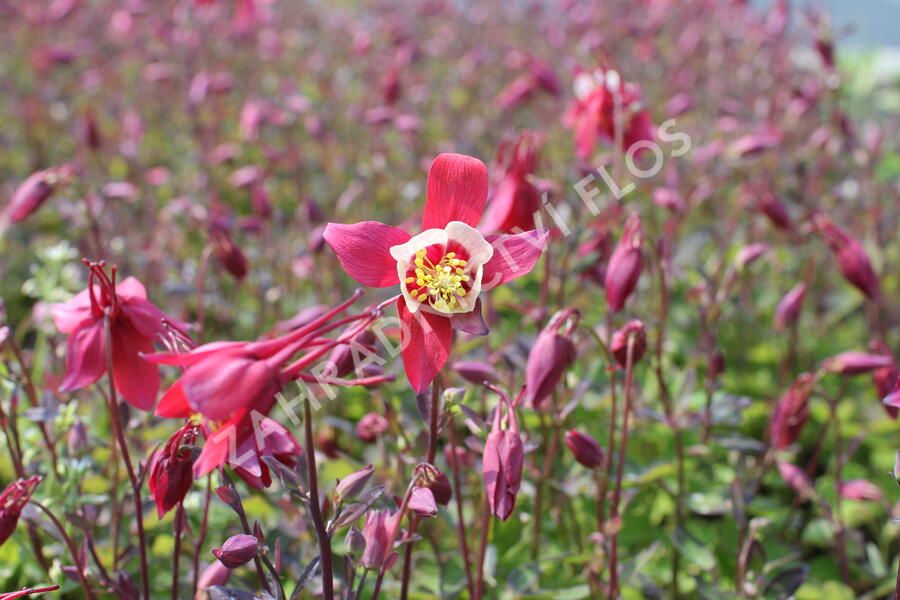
439 284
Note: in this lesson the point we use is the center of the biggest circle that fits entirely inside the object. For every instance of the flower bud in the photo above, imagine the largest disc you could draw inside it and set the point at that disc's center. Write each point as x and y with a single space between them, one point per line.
421 502
476 371
12 501
502 463
237 550
625 264
354 542
791 413
378 532
228 252
855 363
33 192
770 205
633 334
78 438
788 309
549 358
440 486
860 489
215 574
585 449
171 473
350 486
371 426
851 256
796 479
749 254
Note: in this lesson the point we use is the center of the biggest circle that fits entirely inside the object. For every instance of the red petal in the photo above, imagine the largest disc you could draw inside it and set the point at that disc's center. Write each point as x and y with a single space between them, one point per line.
362 250
457 191
514 256
136 379
174 404
425 339
70 314
85 356
215 450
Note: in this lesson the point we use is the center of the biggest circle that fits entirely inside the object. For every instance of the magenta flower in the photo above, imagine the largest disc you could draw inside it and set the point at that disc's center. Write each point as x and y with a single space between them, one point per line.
502 462
12 501
134 323
860 489
625 264
516 199
593 112
378 532
441 271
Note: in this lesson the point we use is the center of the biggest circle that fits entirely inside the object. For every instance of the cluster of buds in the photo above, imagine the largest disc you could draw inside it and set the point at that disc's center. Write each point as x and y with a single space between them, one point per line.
503 460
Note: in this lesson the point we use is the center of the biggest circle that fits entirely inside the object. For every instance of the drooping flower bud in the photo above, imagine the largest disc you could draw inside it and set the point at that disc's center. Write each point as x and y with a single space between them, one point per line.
215 574
237 550
749 254
788 309
171 472
502 462
371 426
625 265
553 352
354 542
12 501
378 532
791 412
855 363
631 334
860 489
885 378
33 192
851 256
228 252
350 486
770 205
796 479
421 502
585 449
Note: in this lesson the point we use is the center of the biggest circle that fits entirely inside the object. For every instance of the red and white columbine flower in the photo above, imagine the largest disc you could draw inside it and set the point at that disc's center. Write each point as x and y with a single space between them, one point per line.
441 271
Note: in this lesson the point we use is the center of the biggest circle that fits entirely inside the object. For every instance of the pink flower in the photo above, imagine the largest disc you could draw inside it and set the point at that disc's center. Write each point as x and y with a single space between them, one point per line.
378 532
851 256
371 426
441 271
422 502
885 379
215 574
134 323
625 265
593 112
516 199
502 462
12 501
170 469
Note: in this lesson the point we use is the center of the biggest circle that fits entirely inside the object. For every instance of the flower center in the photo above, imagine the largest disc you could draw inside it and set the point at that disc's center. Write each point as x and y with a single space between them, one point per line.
439 284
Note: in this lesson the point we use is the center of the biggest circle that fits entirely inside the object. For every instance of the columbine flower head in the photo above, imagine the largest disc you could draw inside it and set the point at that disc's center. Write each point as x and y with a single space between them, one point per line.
233 386
503 460
441 271
593 112
516 199
170 469
134 324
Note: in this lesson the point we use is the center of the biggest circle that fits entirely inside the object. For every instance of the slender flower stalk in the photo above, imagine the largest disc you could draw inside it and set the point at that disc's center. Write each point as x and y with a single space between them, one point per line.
314 507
